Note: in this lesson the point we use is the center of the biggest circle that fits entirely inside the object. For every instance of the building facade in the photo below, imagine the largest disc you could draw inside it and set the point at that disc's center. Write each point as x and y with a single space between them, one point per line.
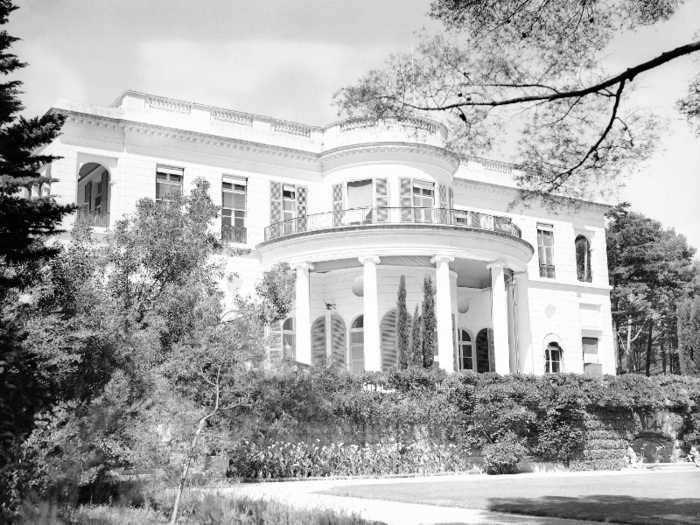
352 207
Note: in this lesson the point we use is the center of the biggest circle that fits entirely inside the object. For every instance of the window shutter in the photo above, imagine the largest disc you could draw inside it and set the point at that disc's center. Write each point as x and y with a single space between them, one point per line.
301 209
318 341
105 192
338 340
451 199
275 342
381 199
337 204
275 202
406 197
442 193
388 342
88 195
492 357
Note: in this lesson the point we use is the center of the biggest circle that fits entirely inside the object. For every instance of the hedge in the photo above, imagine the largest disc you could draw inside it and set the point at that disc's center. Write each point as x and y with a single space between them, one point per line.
577 420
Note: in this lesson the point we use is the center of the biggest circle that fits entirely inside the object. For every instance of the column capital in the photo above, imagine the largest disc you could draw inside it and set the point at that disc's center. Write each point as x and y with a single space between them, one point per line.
523 274
442 258
496 264
369 258
303 266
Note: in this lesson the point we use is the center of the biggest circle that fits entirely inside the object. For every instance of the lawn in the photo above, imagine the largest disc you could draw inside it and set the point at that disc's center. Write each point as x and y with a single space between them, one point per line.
658 498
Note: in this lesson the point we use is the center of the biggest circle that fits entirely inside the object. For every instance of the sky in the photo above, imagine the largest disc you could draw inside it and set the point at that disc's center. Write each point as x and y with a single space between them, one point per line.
286 58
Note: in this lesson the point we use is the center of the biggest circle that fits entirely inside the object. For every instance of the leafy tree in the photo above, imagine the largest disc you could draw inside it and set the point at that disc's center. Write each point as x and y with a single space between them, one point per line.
429 323
529 70
403 325
416 355
650 270
277 292
689 336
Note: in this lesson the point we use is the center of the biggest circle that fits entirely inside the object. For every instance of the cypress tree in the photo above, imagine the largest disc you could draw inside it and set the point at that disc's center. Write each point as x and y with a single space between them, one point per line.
416 354
403 325
429 323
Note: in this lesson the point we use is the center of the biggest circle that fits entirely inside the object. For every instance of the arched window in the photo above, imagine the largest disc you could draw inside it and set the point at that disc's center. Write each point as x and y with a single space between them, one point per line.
289 339
483 352
552 358
583 259
94 194
465 349
319 353
357 345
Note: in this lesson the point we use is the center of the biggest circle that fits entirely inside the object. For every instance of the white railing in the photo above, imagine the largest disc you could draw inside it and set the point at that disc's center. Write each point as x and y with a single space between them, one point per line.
372 217
166 104
289 128
232 117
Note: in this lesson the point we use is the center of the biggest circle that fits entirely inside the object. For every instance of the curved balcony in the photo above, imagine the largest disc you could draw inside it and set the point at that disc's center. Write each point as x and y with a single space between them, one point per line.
373 217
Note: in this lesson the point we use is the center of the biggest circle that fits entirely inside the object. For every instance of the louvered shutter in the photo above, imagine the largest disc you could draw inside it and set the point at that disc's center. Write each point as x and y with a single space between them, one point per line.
337 204
451 199
406 197
105 192
492 356
381 199
388 342
442 193
88 195
275 202
338 341
275 342
301 208
318 341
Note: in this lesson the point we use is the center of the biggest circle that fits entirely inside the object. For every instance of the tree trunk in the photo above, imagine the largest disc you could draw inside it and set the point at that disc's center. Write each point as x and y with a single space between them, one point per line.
648 364
630 362
663 359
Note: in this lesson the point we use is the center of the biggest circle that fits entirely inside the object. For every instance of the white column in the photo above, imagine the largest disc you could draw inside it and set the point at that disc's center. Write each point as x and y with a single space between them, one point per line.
373 353
443 312
303 313
522 311
499 318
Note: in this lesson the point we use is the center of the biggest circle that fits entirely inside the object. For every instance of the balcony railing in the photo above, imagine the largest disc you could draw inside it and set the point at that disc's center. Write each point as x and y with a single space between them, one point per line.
382 216
94 218
237 234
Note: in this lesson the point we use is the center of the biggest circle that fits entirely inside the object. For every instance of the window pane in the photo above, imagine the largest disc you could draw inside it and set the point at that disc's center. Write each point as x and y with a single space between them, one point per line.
239 201
175 178
161 176
227 199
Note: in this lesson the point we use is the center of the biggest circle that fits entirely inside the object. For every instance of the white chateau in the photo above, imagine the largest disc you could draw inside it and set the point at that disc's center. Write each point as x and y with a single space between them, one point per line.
352 207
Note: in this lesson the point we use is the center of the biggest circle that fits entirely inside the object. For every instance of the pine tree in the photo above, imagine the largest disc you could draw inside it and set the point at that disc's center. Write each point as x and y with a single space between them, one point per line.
416 354
429 323
24 223
403 325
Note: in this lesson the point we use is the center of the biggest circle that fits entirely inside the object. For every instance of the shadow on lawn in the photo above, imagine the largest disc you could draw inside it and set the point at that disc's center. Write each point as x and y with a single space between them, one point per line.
609 509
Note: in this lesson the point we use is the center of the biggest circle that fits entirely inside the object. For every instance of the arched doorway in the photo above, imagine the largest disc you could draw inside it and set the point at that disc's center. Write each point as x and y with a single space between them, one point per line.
93 196
484 357
289 339
357 344
465 351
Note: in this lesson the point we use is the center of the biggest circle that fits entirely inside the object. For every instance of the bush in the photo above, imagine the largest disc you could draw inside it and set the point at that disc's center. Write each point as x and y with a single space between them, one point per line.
503 457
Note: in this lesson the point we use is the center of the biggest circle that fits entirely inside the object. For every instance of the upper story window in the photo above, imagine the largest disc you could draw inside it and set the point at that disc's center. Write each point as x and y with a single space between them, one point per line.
583 259
360 194
289 202
233 209
423 194
168 180
545 249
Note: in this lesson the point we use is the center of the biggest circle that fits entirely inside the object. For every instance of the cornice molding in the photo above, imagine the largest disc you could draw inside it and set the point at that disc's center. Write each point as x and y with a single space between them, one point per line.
195 137
374 148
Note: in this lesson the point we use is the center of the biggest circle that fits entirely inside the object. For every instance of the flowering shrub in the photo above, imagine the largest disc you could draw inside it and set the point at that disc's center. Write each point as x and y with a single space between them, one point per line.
301 460
503 456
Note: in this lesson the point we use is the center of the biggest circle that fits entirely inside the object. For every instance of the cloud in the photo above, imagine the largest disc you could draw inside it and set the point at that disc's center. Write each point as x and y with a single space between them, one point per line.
280 78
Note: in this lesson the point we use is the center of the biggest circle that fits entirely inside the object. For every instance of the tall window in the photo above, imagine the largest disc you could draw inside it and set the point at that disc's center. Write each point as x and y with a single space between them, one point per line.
289 339
357 345
465 357
545 250
233 210
168 180
289 202
552 359
583 259
423 194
